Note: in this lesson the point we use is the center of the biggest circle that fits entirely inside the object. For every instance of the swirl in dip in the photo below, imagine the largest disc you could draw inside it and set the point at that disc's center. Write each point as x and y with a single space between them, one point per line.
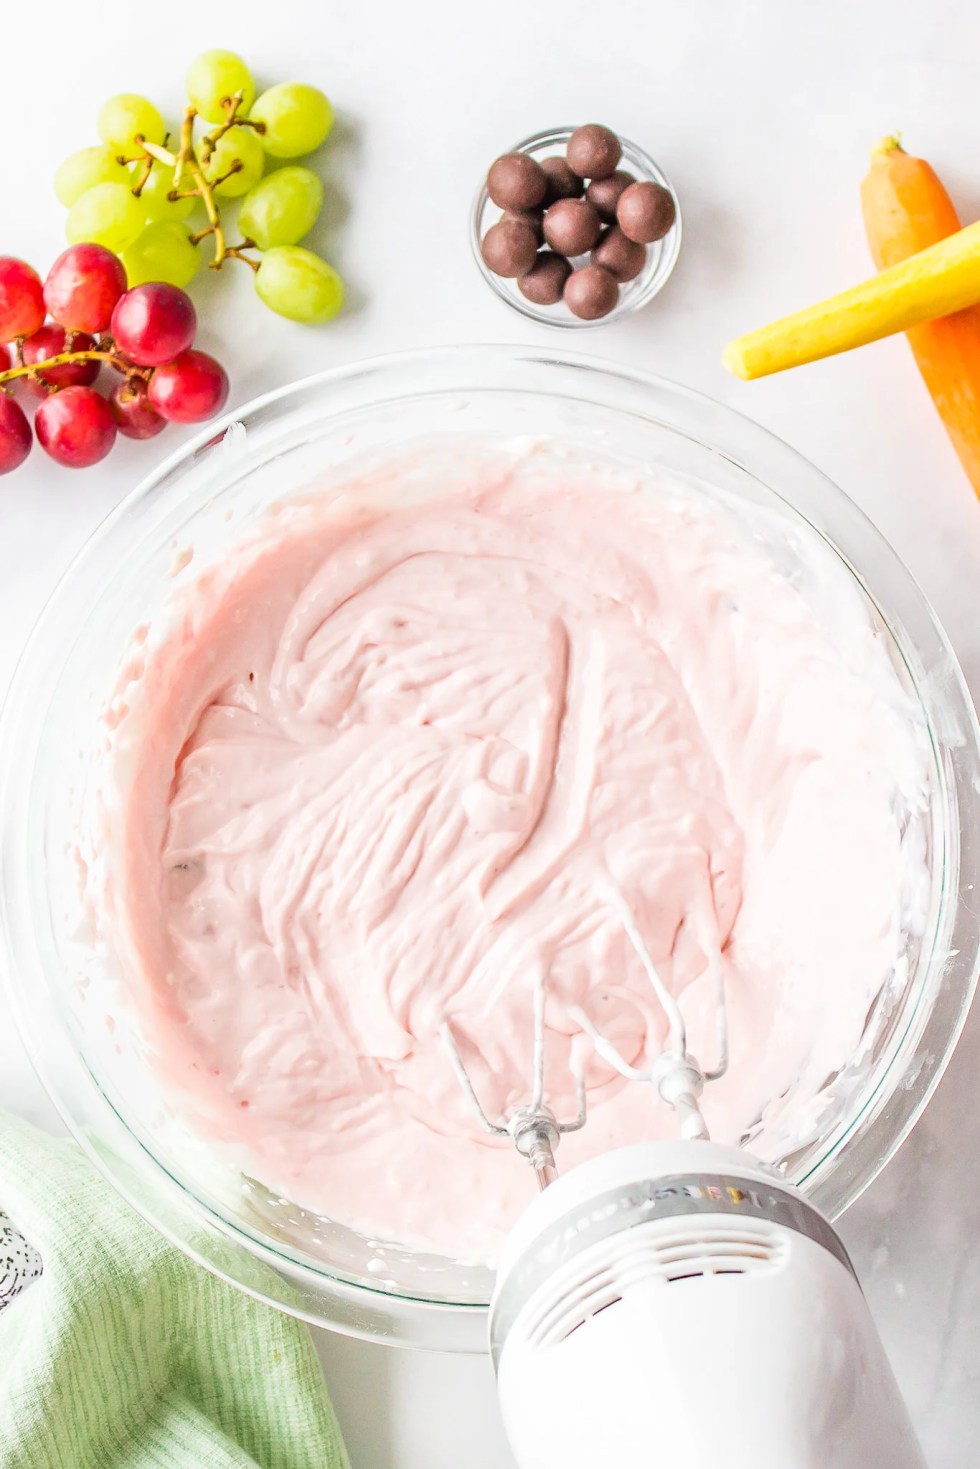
384 763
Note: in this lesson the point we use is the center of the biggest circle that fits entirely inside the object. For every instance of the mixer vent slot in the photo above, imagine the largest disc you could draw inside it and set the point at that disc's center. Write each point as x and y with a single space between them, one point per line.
648 1255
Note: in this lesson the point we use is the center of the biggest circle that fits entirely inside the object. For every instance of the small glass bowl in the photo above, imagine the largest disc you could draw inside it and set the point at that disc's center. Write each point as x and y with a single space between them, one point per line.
661 256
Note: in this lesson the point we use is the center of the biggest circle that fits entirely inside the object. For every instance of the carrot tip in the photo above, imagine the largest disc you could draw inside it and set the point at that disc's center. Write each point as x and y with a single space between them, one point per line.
890 144
733 358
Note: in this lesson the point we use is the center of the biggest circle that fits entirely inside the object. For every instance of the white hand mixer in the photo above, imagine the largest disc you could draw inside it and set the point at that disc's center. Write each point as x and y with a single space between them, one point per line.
678 1303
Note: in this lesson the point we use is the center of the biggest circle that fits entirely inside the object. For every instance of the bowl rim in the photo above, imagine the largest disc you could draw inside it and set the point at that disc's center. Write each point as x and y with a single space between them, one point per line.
735 437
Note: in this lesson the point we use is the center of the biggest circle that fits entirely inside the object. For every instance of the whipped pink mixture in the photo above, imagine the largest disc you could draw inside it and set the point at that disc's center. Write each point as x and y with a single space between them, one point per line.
383 768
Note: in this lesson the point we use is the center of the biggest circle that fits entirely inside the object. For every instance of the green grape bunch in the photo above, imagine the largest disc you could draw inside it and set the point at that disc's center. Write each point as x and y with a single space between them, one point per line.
156 196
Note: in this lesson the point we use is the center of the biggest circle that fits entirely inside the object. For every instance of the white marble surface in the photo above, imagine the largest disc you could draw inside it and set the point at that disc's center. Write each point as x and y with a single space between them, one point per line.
762 113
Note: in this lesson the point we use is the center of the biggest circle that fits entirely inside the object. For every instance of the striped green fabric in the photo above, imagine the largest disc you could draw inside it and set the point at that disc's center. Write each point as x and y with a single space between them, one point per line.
126 1355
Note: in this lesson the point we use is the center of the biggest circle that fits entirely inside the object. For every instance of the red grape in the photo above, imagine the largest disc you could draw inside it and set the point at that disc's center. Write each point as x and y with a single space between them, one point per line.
75 427
190 389
83 286
154 323
132 411
15 434
48 342
21 299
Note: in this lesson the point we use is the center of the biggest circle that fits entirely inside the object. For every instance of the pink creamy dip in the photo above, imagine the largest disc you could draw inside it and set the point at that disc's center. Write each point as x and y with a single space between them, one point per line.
381 766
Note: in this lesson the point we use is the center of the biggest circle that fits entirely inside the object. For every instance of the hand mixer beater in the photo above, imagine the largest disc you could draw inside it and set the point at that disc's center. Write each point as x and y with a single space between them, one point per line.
678 1303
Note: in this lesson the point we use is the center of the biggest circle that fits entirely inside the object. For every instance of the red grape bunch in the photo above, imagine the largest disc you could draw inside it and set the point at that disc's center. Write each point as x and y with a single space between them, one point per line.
144 334
137 191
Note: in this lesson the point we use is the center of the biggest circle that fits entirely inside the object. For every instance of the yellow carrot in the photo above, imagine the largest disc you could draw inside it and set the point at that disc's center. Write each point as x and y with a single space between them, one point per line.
935 282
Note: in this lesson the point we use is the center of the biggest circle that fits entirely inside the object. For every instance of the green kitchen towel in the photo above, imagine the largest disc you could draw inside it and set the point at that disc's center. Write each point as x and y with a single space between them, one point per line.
124 1354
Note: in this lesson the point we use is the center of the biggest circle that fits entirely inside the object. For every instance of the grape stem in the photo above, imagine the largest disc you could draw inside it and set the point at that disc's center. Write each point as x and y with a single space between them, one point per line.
211 210
188 160
236 252
236 167
186 146
140 185
37 369
231 106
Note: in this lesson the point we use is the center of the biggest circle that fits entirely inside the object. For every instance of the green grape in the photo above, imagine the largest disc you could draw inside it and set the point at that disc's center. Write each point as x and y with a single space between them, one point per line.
163 252
153 195
241 144
282 208
215 75
86 168
126 117
297 119
108 215
298 284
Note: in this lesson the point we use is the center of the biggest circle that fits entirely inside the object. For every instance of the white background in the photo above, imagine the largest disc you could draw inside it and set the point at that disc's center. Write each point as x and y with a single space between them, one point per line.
762 112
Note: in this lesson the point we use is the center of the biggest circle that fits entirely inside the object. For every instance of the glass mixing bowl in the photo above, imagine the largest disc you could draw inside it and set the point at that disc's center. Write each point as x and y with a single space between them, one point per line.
206 496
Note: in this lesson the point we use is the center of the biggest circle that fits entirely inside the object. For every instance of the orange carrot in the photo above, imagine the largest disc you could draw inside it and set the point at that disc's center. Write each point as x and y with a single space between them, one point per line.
907 209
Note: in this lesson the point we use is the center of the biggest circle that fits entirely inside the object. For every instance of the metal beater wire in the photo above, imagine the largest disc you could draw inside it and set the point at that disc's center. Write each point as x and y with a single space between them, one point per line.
721 1019
676 1027
537 1079
463 1077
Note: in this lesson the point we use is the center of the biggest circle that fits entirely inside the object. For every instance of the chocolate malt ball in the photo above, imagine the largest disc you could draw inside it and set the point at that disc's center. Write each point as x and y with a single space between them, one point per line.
545 282
515 181
533 218
593 151
562 182
590 292
623 258
571 226
645 212
509 248
603 194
